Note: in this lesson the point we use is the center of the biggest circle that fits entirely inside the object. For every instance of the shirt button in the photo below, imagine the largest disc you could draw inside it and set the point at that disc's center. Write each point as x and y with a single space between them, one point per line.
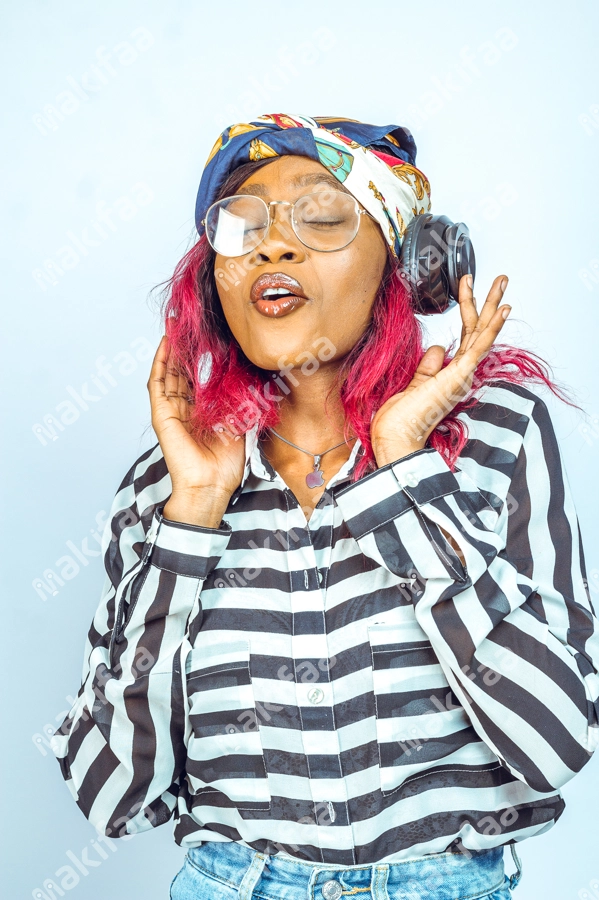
410 479
320 577
315 695
331 890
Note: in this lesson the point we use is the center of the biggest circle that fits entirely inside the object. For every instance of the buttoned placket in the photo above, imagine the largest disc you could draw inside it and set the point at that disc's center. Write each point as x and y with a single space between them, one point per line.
315 700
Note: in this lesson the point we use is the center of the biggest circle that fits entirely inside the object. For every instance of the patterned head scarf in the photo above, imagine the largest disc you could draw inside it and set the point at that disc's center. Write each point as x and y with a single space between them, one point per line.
375 163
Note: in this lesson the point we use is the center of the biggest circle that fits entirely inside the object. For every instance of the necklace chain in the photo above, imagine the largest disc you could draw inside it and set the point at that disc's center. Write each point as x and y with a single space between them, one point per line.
316 477
315 455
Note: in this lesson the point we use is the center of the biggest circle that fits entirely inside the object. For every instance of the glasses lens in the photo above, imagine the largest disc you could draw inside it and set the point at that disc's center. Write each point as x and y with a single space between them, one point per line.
236 225
326 220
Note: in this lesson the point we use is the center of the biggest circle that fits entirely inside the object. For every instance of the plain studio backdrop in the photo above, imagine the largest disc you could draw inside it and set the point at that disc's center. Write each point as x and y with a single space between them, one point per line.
110 111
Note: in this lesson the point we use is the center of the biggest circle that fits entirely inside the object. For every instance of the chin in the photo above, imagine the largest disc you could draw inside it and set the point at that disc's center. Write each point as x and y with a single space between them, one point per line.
267 350
271 363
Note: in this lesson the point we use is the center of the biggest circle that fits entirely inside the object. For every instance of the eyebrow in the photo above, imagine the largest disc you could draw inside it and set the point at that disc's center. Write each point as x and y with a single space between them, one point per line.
298 181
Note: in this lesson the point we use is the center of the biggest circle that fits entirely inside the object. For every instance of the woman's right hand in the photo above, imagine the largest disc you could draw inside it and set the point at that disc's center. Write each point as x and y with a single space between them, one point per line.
203 475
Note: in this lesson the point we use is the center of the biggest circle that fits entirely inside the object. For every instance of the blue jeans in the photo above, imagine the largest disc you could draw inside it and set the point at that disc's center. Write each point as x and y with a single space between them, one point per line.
230 871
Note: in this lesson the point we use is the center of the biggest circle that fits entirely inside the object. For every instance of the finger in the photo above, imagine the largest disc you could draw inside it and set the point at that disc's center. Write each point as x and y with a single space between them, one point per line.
431 362
494 298
171 385
484 341
184 387
487 312
467 311
158 371
456 377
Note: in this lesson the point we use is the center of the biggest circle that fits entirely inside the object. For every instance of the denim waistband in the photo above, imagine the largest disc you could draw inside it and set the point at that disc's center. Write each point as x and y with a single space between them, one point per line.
438 876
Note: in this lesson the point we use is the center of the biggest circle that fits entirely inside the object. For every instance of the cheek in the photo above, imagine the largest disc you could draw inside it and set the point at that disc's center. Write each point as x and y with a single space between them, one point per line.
229 301
229 292
351 280
353 289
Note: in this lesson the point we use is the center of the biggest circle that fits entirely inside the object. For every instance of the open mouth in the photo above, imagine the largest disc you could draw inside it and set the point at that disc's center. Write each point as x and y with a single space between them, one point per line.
276 294
269 293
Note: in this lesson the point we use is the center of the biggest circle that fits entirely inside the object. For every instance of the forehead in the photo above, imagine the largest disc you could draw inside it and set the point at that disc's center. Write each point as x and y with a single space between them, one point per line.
289 175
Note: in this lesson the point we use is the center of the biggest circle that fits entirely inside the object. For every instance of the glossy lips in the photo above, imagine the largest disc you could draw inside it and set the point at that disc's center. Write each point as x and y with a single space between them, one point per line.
266 301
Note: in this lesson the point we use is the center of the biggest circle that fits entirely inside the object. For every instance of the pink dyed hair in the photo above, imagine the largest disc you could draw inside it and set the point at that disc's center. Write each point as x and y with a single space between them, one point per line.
230 393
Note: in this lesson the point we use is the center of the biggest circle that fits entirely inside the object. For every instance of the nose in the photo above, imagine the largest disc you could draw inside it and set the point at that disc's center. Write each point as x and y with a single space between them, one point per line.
280 241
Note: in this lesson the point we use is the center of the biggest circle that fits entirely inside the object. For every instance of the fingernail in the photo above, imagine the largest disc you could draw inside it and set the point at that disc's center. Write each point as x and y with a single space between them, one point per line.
469 280
503 284
505 312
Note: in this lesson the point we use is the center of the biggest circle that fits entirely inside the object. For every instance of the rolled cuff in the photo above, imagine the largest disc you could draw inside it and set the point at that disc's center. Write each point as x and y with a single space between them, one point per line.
184 549
425 476
395 489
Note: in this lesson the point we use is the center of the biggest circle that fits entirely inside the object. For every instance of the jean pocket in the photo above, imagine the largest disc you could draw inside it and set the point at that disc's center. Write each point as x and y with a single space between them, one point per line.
418 717
225 750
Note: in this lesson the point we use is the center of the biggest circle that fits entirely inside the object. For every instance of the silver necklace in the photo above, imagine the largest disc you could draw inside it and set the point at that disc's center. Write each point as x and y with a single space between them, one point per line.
316 477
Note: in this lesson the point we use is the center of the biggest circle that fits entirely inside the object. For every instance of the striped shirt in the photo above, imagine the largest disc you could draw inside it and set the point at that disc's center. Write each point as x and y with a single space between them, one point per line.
345 690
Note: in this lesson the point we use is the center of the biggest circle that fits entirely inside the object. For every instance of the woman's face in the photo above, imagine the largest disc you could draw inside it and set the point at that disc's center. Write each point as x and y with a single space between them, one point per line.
340 286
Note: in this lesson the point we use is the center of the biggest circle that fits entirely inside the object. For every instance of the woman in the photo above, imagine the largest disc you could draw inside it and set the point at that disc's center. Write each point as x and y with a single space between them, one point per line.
345 640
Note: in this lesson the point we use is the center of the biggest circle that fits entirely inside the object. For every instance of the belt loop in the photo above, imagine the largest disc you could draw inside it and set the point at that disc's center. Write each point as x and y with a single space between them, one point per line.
252 876
515 878
379 882
312 882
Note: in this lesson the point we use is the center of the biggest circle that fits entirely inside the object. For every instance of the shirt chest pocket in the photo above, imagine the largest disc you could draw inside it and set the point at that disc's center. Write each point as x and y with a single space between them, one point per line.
419 722
225 750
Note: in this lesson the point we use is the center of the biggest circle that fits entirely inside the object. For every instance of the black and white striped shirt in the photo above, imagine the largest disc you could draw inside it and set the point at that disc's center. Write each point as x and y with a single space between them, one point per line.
345 690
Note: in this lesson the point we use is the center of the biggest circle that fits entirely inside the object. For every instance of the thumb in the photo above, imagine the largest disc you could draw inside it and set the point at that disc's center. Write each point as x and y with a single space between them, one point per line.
432 361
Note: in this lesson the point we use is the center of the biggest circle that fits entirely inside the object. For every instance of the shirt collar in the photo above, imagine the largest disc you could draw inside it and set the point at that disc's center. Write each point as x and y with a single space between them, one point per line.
257 464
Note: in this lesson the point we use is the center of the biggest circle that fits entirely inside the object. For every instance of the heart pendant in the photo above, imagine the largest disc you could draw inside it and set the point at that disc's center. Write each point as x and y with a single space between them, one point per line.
315 478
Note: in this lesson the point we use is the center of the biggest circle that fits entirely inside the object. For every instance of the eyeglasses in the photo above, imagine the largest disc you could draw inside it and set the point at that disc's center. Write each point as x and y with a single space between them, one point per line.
324 220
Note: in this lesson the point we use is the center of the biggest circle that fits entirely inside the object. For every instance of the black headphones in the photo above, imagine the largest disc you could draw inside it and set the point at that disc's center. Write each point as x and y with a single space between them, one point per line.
435 254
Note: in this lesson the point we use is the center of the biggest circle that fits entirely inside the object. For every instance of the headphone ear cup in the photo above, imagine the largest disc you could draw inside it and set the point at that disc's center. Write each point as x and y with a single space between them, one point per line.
460 258
435 254
409 263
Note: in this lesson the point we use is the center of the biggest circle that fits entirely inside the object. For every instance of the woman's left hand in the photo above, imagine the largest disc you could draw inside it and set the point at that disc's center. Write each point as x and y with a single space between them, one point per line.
405 420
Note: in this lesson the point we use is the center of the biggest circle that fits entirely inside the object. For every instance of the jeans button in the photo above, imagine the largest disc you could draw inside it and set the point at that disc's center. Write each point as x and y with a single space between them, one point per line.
331 890
315 695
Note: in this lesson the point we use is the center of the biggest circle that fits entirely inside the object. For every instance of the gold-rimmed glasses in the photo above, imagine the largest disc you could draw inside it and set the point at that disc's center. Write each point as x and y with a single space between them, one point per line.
324 220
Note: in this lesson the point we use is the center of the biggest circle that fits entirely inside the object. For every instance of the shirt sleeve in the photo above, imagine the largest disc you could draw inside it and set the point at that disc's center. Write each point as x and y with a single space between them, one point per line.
122 746
513 628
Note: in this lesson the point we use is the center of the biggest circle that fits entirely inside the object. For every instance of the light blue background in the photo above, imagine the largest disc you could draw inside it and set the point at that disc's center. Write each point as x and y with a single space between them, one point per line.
505 148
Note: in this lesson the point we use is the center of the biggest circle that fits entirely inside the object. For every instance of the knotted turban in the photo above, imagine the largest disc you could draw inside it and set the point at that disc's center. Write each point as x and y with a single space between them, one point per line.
375 163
